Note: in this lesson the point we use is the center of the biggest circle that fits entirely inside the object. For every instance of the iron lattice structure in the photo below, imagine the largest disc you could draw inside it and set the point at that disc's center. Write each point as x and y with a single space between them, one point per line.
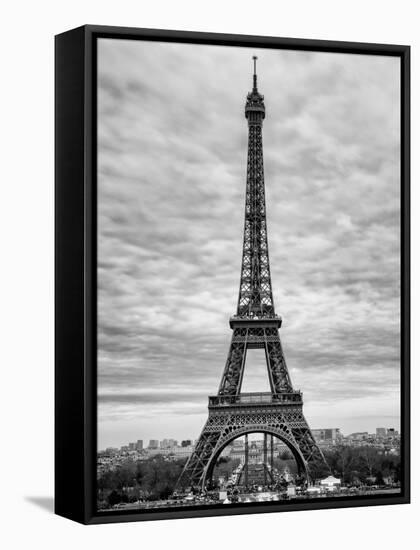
255 325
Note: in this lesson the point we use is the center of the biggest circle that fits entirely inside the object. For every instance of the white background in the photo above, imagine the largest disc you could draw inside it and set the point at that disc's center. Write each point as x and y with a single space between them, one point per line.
26 276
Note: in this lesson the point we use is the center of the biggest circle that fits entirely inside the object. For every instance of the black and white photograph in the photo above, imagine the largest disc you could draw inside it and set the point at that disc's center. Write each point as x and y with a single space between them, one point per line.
209 275
248 275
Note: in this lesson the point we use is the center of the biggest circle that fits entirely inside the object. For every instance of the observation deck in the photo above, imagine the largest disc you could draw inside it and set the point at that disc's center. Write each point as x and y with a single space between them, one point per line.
256 399
246 321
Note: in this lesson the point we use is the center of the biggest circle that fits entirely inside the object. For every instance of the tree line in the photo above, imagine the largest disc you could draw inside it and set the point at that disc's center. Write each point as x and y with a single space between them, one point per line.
151 479
155 477
363 465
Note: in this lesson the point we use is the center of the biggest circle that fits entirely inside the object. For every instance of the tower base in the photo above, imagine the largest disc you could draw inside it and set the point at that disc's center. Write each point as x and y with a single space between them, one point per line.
231 417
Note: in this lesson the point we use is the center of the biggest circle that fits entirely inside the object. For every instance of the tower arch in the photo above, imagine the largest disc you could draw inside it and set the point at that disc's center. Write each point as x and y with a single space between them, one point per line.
279 433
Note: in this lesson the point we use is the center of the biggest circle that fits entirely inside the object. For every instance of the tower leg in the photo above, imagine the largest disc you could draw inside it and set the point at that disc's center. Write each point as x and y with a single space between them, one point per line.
316 463
271 456
234 368
265 459
246 460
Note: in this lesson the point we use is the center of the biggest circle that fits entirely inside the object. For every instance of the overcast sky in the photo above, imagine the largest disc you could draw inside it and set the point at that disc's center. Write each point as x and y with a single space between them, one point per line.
172 142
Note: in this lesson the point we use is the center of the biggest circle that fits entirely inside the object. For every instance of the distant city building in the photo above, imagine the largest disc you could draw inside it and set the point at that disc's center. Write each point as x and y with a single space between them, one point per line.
234 451
254 453
327 435
386 440
168 443
359 436
111 450
174 452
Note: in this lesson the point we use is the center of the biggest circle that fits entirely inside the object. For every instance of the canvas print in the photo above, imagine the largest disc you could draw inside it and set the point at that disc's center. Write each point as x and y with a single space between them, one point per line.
248 301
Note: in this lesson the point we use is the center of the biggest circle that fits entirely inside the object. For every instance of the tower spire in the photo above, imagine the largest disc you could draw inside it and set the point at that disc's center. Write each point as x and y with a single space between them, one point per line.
254 57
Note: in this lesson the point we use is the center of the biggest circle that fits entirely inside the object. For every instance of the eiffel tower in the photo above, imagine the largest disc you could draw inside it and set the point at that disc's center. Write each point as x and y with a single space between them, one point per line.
255 325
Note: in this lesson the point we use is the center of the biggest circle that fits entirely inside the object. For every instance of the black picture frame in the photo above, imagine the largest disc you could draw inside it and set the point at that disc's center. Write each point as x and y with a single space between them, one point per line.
75 270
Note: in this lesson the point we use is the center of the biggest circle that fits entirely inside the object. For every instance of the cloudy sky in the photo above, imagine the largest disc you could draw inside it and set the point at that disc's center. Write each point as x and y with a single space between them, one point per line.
172 142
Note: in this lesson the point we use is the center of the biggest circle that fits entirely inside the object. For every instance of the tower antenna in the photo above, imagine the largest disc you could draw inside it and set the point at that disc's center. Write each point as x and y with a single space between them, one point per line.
254 57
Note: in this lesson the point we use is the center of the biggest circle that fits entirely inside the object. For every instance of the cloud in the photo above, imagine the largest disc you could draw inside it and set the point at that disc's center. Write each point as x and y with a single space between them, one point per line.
172 142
